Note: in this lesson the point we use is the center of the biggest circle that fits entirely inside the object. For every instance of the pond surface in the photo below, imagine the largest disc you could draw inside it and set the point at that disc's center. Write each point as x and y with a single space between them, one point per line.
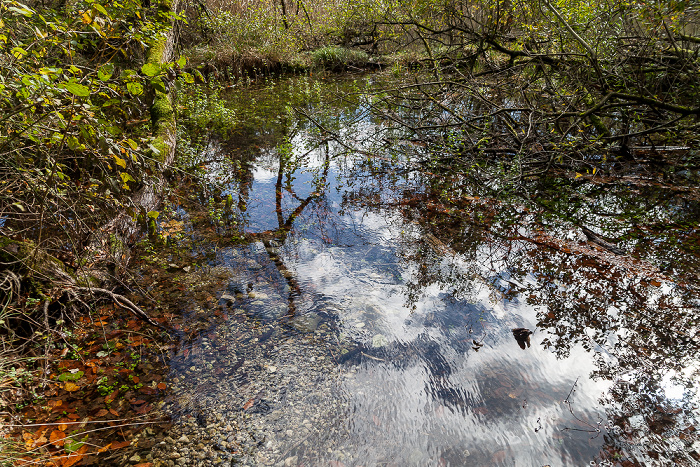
361 309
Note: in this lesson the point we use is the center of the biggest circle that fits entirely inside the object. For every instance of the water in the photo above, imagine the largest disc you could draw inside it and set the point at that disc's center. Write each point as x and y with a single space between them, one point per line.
369 312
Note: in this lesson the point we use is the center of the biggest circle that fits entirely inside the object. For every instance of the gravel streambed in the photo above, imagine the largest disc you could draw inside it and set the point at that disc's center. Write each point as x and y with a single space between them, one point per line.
257 387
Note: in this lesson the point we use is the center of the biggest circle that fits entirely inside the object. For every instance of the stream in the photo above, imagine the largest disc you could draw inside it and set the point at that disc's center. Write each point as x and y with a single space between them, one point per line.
351 307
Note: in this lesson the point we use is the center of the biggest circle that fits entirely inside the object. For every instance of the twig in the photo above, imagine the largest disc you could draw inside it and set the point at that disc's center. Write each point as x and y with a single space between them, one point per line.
123 302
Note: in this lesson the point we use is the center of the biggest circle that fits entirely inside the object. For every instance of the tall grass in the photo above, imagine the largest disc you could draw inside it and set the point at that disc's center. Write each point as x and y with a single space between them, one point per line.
246 34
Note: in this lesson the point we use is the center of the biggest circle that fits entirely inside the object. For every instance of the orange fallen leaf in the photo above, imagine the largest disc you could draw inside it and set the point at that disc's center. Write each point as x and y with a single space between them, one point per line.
162 386
75 457
73 416
248 404
144 464
136 380
102 413
57 438
114 412
103 449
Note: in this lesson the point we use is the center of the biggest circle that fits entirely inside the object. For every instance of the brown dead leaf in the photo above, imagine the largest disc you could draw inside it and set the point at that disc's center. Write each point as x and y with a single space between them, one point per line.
114 412
162 386
120 444
248 404
40 441
103 449
144 464
109 399
102 413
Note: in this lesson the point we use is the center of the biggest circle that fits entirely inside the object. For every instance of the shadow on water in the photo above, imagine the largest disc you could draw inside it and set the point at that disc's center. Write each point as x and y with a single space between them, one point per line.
355 310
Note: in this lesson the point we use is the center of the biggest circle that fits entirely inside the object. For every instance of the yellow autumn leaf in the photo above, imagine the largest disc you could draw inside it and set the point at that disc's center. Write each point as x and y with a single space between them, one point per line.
578 175
71 386
120 162
86 18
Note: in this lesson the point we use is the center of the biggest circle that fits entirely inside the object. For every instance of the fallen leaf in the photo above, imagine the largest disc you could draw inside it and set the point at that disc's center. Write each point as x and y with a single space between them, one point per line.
120 444
57 438
40 441
73 416
71 387
103 449
109 399
75 457
102 413
162 386
114 412
248 404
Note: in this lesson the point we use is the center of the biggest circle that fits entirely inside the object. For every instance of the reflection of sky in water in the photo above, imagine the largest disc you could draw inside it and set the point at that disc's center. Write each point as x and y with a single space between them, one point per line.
443 374
432 393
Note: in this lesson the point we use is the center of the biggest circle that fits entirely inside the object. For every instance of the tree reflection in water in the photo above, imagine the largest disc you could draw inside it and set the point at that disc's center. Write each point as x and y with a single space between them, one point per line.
637 312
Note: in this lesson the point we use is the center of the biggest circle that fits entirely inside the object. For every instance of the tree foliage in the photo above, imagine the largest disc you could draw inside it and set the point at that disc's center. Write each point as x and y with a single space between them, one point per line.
74 97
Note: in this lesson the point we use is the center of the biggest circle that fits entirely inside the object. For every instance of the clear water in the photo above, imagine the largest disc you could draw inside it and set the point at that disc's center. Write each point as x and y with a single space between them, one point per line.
384 315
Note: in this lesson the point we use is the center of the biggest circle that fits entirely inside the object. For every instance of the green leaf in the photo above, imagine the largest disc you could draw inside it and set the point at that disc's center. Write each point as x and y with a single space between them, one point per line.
101 9
182 61
25 11
135 88
19 52
153 214
126 177
187 77
158 85
71 376
77 89
105 72
150 69
72 445
133 144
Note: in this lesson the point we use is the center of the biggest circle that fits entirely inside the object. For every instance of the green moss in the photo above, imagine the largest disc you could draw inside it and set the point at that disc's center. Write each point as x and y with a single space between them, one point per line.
156 51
